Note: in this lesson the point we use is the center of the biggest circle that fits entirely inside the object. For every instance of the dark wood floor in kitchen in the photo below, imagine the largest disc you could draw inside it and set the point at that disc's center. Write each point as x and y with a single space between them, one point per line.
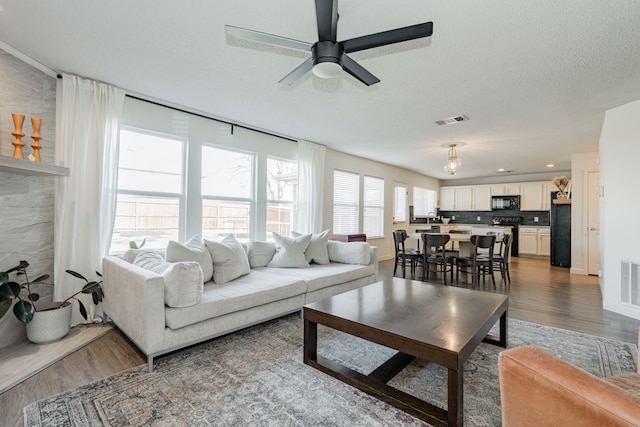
538 293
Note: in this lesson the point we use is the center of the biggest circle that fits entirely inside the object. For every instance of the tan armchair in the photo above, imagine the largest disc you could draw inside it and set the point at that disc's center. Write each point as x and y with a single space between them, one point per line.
537 388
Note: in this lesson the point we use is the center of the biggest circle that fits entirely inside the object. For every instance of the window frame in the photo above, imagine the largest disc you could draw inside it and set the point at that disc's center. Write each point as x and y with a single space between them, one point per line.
405 205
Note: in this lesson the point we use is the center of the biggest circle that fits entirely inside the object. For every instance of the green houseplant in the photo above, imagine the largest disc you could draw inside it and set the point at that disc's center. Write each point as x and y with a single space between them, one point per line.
24 297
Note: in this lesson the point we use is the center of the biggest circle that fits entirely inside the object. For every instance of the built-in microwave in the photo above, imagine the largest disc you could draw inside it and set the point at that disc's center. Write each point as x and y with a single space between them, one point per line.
505 202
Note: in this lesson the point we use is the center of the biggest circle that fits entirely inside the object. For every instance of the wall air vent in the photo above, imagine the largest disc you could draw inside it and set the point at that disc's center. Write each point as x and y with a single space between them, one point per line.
630 282
452 120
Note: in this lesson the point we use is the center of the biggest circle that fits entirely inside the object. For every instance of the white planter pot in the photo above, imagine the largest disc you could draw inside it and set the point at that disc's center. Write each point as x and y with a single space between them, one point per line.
49 325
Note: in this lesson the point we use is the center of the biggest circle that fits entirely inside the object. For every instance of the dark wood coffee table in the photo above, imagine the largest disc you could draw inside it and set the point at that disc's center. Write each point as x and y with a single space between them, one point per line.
439 324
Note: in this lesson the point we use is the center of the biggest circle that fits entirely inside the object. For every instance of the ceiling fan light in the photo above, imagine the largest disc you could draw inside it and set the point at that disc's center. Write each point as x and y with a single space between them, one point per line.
327 70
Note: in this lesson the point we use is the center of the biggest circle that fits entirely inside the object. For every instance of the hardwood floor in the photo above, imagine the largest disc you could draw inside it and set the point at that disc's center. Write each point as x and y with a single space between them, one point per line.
538 293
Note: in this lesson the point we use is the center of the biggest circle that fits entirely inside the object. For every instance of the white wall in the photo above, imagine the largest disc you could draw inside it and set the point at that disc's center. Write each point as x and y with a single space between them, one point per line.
581 165
390 174
620 204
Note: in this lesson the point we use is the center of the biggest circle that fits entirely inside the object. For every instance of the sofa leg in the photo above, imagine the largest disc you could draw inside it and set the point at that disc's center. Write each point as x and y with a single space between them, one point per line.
149 364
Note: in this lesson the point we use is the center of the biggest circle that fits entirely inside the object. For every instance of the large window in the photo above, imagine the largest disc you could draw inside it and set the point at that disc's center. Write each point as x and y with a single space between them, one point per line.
399 203
227 193
373 199
282 190
424 201
346 189
150 190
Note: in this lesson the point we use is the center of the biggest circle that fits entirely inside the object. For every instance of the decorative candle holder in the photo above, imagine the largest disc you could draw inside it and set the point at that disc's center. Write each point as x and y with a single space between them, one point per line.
18 121
35 123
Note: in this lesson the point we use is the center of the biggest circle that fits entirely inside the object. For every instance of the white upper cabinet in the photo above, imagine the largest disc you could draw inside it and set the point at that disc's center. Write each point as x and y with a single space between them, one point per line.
464 199
507 189
447 198
467 198
482 198
535 196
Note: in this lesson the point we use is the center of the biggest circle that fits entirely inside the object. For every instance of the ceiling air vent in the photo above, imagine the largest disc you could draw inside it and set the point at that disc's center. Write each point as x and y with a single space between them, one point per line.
452 120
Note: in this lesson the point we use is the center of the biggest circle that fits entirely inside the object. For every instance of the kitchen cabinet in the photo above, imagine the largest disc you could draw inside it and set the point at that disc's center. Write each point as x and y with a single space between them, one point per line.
544 241
507 189
535 196
535 241
465 198
482 198
447 198
528 244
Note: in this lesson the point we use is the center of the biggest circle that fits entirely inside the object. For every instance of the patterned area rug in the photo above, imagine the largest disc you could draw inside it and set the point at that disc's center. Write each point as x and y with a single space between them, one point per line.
256 377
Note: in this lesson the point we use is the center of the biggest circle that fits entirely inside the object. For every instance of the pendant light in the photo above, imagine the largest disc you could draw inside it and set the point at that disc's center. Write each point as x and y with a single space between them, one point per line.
453 162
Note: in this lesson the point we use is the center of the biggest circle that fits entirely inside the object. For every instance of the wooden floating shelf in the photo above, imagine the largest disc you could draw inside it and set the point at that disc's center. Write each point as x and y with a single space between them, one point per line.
27 167
561 201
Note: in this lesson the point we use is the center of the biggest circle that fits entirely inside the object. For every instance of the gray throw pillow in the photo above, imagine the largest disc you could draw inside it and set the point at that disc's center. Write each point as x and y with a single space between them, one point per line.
261 253
290 251
317 250
193 250
182 280
229 259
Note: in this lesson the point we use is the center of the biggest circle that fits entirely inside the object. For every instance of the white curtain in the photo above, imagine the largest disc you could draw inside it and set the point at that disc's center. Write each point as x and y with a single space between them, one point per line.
87 132
310 186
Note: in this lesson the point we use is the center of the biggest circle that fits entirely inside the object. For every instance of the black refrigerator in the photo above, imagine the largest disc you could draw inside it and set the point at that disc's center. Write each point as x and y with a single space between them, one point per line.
560 221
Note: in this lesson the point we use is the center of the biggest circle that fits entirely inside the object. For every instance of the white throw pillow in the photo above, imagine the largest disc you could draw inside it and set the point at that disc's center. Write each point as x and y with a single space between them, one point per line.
317 250
182 280
261 253
290 251
229 259
193 250
349 252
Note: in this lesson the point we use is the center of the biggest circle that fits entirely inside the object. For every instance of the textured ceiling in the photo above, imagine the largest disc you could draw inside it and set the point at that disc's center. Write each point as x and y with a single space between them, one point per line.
535 78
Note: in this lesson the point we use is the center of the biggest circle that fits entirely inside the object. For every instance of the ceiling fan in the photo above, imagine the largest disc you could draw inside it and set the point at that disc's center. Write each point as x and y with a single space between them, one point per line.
329 56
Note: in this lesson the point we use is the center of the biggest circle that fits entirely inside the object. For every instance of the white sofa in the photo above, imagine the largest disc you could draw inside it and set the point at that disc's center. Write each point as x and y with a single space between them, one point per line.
135 299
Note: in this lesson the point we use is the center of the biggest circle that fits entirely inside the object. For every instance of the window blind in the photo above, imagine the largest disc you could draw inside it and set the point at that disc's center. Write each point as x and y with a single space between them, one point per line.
373 199
346 188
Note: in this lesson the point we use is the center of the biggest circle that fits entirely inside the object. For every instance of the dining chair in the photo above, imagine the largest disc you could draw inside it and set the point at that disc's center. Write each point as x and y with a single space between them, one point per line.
480 263
405 257
436 255
501 259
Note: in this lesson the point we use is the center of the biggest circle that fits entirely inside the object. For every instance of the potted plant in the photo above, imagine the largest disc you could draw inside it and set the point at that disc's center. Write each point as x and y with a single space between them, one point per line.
48 322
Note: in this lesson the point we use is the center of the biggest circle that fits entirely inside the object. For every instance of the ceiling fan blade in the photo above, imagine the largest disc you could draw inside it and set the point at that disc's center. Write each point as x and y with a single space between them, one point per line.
388 37
358 71
327 17
257 36
297 72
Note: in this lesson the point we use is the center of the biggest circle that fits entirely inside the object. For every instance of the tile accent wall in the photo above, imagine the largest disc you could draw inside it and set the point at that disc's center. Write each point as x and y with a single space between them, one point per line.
27 203
467 217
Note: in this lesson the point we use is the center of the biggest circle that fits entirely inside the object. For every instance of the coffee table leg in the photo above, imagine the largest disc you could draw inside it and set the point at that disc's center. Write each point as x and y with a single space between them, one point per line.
503 329
310 341
455 407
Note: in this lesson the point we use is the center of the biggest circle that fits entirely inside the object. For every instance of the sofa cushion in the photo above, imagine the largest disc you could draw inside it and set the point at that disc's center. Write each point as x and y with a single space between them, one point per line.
229 259
322 276
317 250
290 251
193 250
182 280
349 252
251 290
261 253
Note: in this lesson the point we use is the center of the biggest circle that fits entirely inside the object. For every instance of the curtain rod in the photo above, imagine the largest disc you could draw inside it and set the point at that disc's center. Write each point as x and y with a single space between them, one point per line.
204 116
210 118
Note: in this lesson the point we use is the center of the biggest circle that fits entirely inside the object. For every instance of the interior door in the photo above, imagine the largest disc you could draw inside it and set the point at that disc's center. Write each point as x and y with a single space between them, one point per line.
593 223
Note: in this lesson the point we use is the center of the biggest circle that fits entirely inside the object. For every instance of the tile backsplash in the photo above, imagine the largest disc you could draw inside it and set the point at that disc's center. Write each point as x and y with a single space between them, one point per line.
471 217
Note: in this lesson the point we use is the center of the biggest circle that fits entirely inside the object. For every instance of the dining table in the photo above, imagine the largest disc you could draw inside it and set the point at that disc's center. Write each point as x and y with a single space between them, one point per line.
465 247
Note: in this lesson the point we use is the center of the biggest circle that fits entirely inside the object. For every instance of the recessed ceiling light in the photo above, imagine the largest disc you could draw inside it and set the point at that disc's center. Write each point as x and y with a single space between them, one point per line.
501 170
452 120
550 165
